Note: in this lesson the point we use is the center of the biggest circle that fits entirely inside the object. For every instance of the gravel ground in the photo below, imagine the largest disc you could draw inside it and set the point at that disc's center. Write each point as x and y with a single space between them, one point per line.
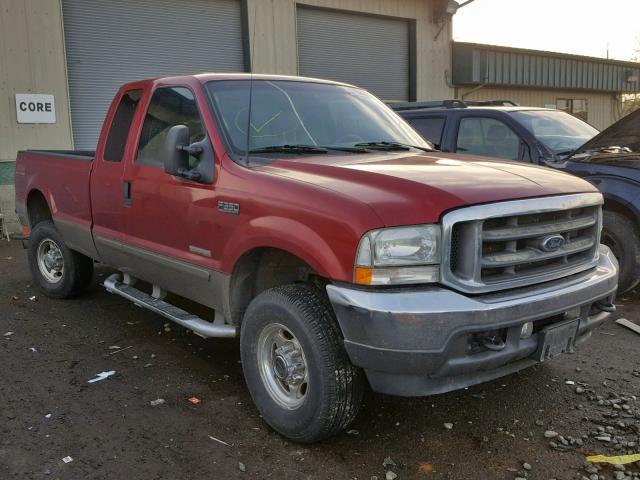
109 428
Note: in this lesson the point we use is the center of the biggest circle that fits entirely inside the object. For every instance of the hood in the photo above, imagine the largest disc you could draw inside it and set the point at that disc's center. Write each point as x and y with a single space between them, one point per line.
417 188
624 133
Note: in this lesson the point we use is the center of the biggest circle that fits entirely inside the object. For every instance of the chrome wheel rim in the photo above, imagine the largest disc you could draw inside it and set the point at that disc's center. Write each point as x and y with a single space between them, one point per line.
282 365
50 261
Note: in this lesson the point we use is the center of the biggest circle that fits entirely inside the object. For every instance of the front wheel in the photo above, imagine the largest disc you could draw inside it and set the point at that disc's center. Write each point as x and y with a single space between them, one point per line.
59 271
619 233
295 364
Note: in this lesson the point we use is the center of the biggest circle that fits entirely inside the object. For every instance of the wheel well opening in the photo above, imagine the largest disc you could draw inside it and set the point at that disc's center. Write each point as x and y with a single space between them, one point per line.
37 208
262 269
617 207
613 206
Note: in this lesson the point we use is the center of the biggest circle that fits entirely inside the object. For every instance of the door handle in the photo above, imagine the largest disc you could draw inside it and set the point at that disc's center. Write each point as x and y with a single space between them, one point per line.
126 194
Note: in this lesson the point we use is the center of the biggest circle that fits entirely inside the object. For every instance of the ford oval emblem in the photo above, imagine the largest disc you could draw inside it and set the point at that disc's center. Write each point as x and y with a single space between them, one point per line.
551 243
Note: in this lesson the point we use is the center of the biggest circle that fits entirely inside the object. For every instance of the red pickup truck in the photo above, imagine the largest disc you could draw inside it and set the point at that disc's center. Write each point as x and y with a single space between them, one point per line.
326 234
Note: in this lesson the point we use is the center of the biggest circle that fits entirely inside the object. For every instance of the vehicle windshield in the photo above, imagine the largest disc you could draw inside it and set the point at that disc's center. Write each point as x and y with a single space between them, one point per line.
558 131
298 115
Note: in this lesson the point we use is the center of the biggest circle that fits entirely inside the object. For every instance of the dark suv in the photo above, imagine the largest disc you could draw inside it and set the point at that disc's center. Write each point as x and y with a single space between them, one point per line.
502 129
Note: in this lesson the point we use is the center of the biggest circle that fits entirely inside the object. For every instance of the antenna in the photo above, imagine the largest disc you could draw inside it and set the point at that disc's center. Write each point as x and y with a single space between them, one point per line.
251 58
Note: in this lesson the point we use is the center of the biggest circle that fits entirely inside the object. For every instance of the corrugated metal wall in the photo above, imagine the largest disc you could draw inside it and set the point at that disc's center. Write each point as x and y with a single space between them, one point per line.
111 42
275 46
368 51
603 108
32 53
482 64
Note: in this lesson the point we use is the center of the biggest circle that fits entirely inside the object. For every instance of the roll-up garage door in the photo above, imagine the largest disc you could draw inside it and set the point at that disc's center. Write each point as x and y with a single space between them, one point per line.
111 42
369 51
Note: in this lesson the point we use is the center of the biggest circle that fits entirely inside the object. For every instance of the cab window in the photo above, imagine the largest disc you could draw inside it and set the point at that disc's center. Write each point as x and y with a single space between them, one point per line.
430 128
169 106
120 125
487 137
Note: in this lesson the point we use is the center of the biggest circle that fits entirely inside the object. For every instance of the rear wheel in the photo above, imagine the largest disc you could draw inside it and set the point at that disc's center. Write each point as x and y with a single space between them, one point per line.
619 234
59 271
295 364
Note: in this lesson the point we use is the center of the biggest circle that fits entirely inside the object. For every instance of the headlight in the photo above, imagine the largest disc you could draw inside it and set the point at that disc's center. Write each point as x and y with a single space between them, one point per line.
399 255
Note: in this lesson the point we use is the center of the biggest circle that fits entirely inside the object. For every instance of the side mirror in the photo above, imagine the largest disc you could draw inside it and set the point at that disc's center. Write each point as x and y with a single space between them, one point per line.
176 160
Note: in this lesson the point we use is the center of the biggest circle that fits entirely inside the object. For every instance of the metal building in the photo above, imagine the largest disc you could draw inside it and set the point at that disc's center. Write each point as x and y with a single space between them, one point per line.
590 88
108 43
80 51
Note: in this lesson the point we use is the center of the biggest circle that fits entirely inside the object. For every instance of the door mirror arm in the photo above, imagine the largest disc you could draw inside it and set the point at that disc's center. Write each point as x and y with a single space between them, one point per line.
194 149
176 152
192 174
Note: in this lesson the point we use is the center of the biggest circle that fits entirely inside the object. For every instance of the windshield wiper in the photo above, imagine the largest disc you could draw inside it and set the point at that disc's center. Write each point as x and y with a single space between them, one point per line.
611 149
311 149
592 151
391 146
346 149
564 153
307 149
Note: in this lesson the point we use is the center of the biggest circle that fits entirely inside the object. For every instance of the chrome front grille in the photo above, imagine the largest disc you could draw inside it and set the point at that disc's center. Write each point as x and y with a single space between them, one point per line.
523 242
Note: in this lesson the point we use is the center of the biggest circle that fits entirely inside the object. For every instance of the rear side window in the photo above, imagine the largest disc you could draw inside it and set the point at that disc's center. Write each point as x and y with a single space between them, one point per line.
120 126
169 106
487 137
430 128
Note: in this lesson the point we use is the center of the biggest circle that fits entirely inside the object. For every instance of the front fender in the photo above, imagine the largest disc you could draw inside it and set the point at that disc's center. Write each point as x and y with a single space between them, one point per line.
623 191
295 238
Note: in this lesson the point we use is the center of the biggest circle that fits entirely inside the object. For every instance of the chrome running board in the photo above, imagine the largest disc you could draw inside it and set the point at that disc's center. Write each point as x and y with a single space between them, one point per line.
114 284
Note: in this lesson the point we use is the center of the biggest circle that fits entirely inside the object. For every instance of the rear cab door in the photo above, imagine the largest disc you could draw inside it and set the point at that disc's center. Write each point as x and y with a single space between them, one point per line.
107 186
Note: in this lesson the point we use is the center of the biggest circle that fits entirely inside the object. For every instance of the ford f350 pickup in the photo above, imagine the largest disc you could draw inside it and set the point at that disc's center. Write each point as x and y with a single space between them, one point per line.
325 233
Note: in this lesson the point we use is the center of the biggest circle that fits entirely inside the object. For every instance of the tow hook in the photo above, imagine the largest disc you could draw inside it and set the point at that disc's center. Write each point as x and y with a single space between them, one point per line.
493 343
605 306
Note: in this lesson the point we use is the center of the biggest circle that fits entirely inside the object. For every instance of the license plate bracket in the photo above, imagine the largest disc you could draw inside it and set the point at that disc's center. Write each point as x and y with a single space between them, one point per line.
557 339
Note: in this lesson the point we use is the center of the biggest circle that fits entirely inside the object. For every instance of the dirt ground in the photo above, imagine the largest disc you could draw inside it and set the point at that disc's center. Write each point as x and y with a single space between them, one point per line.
49 349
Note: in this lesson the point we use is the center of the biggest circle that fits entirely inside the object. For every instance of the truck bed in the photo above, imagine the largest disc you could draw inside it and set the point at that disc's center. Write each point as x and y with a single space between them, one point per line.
87 155
61 177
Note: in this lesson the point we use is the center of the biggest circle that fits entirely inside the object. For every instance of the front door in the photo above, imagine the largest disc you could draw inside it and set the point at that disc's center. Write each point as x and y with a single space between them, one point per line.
489 137
170 221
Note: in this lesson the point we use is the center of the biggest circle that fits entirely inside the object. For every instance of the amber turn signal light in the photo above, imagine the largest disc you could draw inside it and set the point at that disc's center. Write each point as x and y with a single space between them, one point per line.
363 275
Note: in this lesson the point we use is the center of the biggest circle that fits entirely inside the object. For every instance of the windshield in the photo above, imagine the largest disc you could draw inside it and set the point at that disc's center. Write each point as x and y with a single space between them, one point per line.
558 131
294 113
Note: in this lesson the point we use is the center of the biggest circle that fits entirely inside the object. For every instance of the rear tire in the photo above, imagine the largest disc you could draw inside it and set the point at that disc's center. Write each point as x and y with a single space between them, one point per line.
295 364
619 234
59 271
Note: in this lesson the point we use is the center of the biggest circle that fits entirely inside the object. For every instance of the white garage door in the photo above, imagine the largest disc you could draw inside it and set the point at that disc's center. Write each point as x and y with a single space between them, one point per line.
111 42
369 51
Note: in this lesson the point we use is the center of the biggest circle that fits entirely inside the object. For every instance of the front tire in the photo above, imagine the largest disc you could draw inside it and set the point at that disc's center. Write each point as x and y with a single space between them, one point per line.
619 234
295 364
59 271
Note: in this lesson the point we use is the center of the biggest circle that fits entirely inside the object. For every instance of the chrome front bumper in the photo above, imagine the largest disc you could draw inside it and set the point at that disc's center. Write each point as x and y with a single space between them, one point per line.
417 342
